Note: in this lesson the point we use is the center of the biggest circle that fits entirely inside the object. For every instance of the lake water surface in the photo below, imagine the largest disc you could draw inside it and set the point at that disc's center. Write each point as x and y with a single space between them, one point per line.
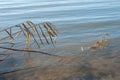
73 18
77 21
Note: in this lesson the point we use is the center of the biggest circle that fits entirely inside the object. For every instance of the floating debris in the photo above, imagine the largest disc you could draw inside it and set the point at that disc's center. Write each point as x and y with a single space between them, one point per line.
82 49
94 47
101 43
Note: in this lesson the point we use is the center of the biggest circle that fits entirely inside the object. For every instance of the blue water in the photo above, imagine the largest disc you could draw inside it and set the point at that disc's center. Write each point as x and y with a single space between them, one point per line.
77 21
73 18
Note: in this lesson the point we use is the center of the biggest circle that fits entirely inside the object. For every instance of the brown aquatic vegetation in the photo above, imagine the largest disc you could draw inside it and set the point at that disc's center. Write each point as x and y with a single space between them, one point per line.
94 47
71 67
98 44
101 43
30 33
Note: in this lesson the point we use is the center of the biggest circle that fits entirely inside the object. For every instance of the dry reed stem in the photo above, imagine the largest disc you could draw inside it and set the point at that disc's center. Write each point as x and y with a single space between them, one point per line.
27 30
28 51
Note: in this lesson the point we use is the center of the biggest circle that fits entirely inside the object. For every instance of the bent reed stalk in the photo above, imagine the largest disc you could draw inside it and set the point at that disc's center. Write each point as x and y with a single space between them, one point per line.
41 34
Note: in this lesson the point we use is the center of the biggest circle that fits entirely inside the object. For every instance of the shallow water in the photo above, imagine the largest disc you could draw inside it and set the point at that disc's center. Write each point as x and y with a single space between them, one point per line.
77 22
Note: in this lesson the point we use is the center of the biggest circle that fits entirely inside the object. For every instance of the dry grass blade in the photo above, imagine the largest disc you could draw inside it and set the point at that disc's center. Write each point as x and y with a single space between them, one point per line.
43 35
52 28
28 31
10 35
49 33
35 30
45 25
28 38
10 30
31 33
18 34
7 28
51 38
23 31
32 26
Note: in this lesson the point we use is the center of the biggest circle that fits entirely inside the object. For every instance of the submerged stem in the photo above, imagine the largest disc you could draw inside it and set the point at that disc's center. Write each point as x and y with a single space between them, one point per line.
28 51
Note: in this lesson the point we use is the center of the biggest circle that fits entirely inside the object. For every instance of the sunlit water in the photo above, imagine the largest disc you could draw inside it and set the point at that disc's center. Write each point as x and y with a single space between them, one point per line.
76 20
73 18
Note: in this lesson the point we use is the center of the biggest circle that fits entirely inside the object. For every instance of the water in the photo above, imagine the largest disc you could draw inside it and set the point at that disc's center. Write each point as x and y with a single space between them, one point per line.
72 18
76 20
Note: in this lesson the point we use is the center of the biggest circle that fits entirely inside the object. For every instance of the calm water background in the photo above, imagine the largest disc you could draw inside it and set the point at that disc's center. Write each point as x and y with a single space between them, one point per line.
76 20
82 20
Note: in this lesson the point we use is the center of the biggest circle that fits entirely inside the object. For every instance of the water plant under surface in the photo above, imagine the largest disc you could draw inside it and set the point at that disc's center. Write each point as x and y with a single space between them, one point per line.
101 61
31 36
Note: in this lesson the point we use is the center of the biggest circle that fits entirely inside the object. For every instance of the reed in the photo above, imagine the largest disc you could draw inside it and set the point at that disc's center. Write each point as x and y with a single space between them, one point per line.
32 34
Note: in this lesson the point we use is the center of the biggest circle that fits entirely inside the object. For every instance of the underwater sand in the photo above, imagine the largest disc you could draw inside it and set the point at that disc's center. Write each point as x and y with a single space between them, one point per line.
98 64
